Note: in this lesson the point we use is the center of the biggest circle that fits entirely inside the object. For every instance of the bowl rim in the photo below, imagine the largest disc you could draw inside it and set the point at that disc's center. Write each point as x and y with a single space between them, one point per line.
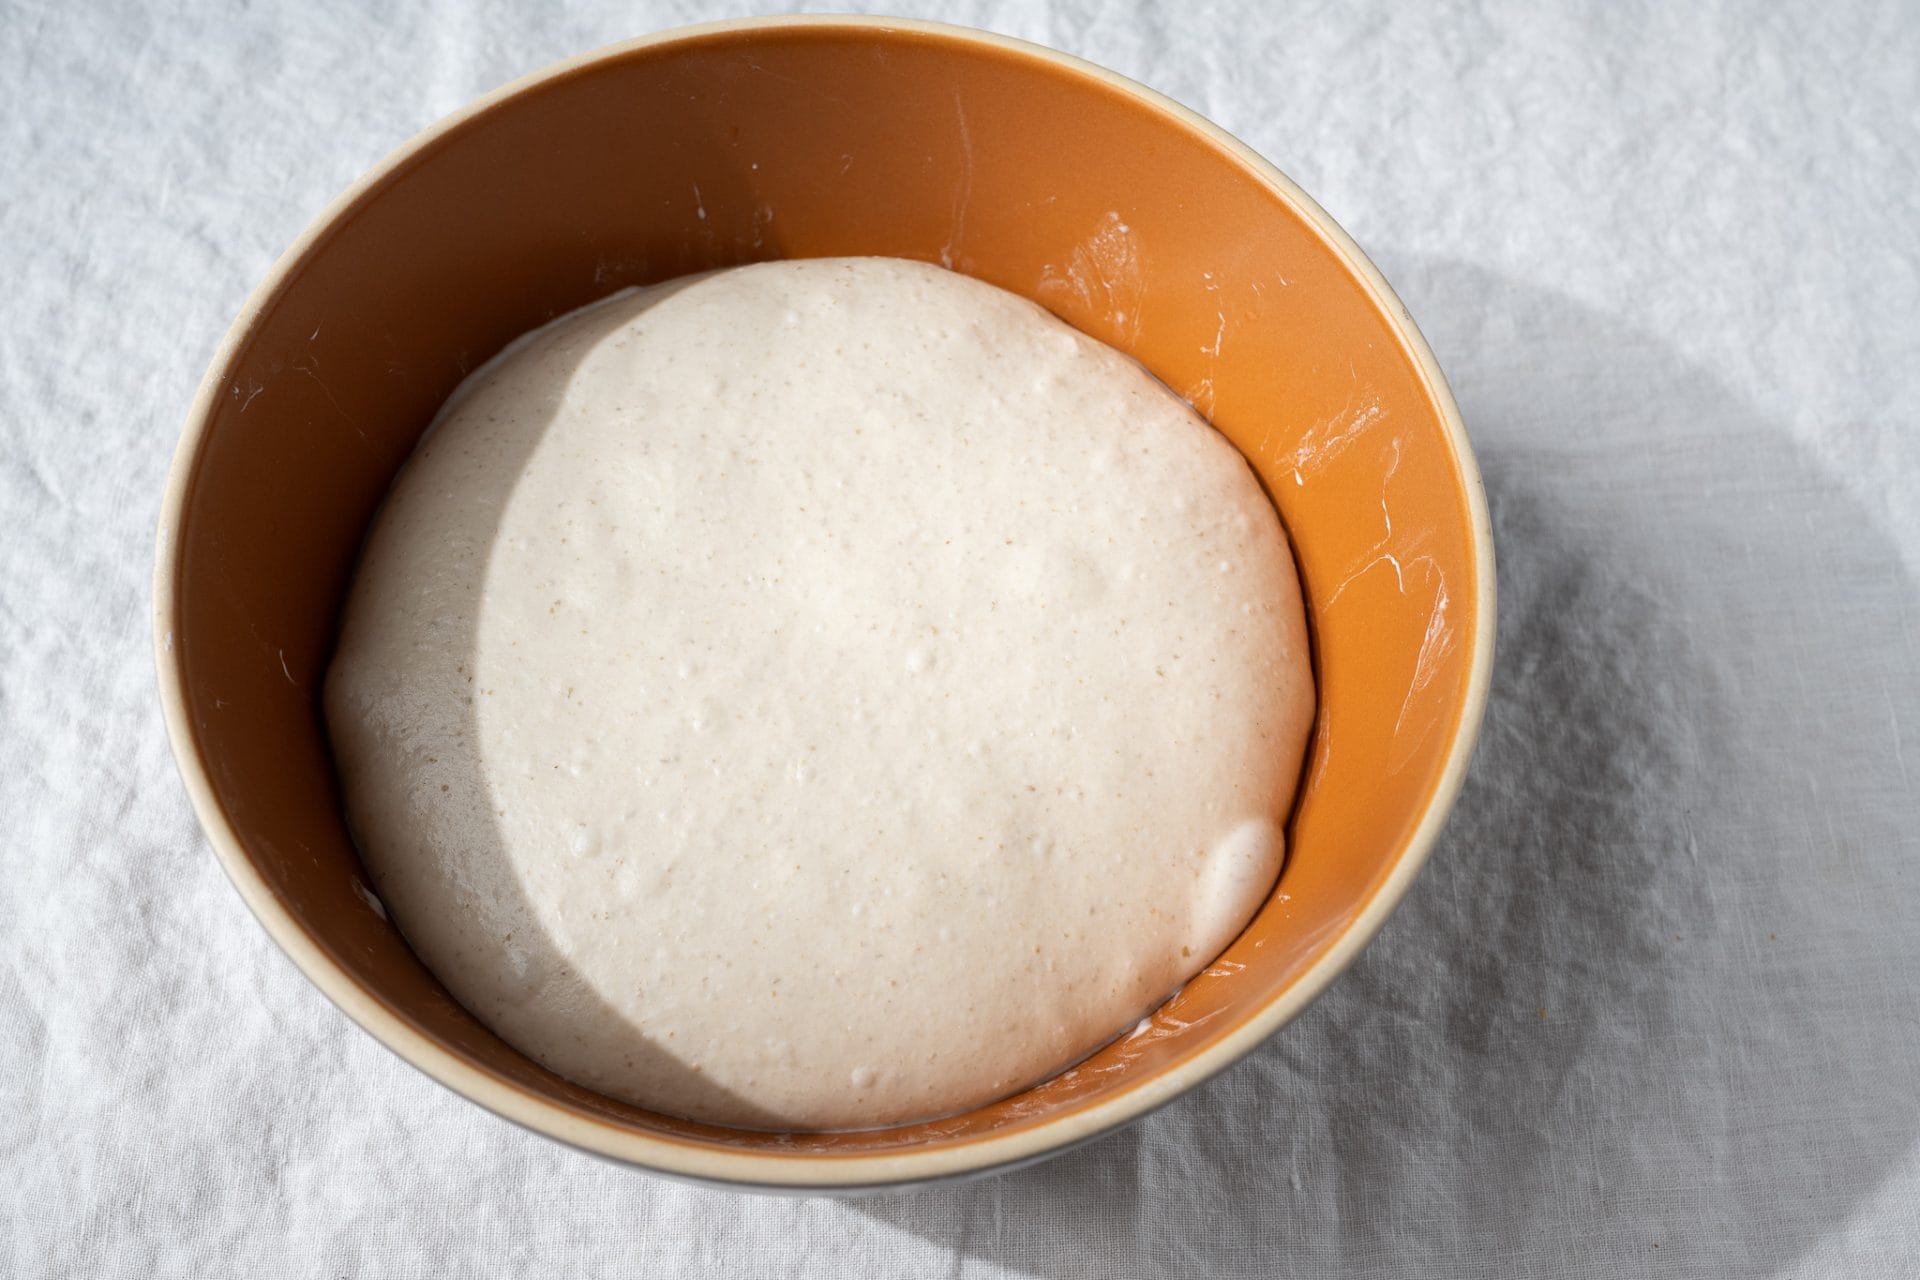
808 1171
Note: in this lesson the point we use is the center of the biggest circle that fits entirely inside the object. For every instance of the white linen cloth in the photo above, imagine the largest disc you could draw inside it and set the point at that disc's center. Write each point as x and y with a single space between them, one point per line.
1651 1011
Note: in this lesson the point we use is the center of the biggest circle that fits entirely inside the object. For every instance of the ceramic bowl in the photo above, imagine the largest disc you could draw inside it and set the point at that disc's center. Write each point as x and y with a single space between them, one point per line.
1127 215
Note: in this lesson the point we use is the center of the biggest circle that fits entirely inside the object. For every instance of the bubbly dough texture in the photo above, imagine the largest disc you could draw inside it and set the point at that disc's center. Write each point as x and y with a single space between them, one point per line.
821 694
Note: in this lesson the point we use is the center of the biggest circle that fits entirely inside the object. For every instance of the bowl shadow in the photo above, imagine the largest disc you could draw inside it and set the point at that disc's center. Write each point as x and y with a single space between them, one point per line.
543 972
1612 1019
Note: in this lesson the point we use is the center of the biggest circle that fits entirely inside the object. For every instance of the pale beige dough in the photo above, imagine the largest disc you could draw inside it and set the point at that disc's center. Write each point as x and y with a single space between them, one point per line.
820 694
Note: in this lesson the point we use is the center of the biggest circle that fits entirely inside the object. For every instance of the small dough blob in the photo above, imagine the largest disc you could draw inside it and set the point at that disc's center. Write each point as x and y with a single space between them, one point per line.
818 695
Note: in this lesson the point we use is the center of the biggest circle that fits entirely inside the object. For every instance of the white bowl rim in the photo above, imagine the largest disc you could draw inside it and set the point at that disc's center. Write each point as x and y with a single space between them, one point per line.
812 1171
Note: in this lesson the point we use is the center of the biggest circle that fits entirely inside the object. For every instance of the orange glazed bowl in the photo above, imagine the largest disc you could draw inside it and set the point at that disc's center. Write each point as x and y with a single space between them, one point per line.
1125 214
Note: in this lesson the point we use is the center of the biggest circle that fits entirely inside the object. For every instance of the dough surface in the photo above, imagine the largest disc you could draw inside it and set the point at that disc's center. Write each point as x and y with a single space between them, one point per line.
821 694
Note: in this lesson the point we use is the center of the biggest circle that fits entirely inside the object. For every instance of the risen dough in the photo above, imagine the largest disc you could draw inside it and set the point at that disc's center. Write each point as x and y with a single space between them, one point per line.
821 694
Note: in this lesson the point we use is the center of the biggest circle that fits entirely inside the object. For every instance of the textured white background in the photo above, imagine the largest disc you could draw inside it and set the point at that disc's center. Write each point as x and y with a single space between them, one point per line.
1651 1011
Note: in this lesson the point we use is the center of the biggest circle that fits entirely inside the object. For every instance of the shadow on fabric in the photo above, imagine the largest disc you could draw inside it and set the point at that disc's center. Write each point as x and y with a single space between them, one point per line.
1640 1005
